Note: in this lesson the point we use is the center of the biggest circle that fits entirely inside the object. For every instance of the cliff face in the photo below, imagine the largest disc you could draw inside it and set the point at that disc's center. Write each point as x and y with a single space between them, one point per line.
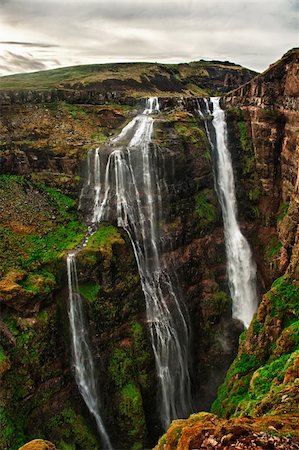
263 377
260 393
43 153
43 150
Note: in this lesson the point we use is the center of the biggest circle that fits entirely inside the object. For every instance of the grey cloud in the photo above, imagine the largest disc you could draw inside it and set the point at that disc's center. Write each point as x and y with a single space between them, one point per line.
244 31
29 44
13 62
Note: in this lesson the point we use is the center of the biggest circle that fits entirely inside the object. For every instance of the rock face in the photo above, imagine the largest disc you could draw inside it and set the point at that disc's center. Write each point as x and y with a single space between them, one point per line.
34 296
263 378
262 119
43 151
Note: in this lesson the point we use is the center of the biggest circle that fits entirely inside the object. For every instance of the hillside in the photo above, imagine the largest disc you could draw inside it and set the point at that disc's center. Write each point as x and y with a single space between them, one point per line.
136 79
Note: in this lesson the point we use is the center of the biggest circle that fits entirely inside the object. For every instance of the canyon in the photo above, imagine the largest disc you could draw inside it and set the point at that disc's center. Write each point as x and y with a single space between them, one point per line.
46 135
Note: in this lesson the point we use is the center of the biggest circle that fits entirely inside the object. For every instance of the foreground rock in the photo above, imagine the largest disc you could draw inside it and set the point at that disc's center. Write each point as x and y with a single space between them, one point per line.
38 444
207 431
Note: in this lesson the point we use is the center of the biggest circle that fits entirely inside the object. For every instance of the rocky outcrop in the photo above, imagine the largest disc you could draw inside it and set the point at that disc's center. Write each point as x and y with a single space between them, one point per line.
207 431
276 87
38 444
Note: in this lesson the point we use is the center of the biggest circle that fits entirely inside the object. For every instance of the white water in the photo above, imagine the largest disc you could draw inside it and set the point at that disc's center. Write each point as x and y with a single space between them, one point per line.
240 265
82 358
131 191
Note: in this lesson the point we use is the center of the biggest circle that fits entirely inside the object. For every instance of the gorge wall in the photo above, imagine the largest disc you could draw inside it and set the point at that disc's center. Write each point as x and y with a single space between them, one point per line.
43 151
259 397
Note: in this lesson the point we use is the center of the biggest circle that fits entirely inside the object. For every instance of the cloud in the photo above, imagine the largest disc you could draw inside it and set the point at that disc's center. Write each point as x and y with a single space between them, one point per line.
14 63
94 31
29 44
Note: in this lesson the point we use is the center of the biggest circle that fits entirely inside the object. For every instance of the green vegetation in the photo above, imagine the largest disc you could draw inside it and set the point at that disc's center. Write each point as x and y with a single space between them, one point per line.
282 211
205 210
190 131
31 363
254 195
128 370
72 431
272 248
105 235
11 436
181 77
284 300
265 368
39 223
2 354
89 291
77 112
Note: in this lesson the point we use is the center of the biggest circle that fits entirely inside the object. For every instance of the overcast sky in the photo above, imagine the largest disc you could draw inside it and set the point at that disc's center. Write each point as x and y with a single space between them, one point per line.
42 34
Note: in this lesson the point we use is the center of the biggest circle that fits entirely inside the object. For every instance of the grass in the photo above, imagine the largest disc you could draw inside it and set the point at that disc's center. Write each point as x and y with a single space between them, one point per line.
104 235
191 74
39 223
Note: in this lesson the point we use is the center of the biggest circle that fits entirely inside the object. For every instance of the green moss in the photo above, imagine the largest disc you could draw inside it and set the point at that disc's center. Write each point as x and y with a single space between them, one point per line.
248 155
141 354
128 370
284 300
39 282
254 195
105 235
120 366
282 211
131 409
230 394
205 210
3 356
190 131
272 248
256 381
269 374
101 136
257 326
72 430
89 291
11 434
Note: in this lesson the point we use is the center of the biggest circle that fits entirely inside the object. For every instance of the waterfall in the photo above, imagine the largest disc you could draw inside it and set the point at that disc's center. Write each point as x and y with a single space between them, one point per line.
82 358
240 265
131 192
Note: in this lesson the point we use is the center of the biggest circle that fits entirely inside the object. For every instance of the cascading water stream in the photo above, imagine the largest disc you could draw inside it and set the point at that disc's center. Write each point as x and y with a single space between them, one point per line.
131 193
240 265
82 358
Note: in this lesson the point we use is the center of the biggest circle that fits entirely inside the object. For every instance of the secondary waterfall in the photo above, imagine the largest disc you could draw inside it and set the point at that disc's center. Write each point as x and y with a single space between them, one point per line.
241 267
128 186
82 358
